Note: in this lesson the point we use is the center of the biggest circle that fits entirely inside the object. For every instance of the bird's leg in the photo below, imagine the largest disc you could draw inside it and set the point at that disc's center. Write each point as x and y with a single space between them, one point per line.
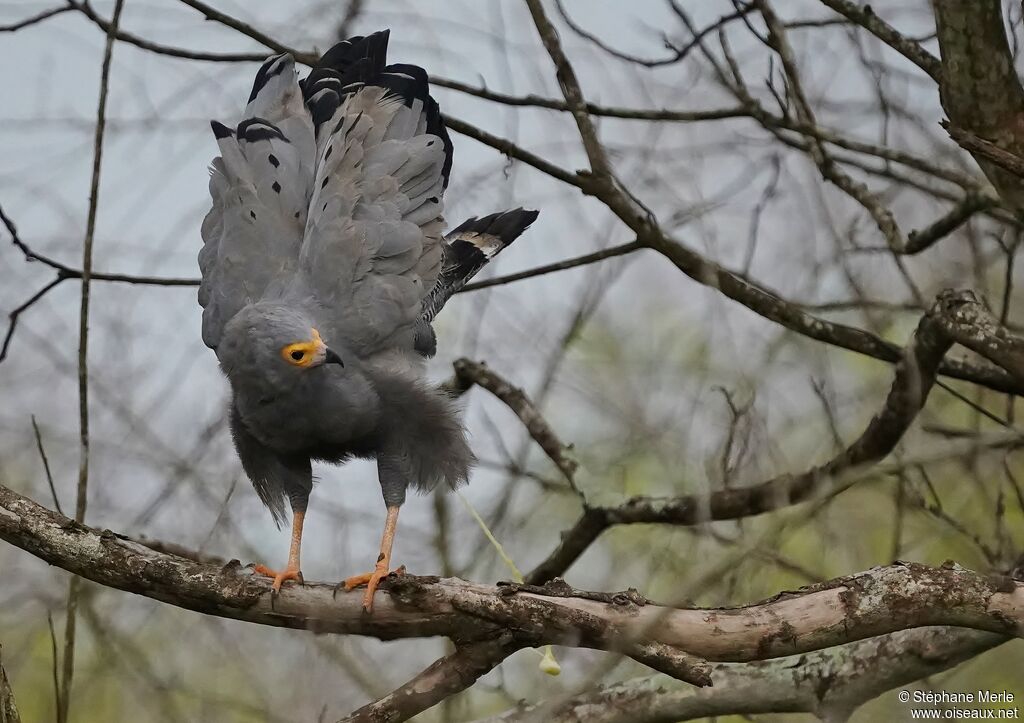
292 572
382 569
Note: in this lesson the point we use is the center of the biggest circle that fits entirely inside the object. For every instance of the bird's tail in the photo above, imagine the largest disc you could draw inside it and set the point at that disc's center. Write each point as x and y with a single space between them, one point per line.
469 247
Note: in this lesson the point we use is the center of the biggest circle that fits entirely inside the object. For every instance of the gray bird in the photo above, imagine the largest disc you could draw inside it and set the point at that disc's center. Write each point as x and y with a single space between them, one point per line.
324 262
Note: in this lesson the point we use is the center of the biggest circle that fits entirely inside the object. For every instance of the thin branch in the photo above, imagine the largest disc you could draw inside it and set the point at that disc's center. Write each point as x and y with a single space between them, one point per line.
46 465
986 149
38 18
54 661
571 91
445 677
572 263
86 9
81 500
211 13
864 16
830 171
468 373
961 213
913 378
12 323
678 55
511 150
65 272
352 12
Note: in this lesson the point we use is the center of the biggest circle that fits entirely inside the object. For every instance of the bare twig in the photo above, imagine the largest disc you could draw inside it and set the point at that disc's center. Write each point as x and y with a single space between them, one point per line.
35 19
918 241
913 379
65 272
570 86
986 149
572 263
468 373
46 465
81 500
12 323
449 675
864 15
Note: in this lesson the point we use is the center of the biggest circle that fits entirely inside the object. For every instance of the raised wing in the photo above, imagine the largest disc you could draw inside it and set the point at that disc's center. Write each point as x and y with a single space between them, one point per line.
373 240
260 185
330 189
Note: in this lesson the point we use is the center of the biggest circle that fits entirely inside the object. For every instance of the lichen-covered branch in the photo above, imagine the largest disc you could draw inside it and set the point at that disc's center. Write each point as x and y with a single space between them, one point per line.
830 684
970 324
878 601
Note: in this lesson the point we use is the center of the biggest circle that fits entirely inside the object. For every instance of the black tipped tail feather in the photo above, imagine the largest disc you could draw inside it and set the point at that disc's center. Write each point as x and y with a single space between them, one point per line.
469 247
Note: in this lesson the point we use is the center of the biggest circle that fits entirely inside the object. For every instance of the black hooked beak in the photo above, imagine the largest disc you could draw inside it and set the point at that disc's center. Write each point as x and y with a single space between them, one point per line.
331 358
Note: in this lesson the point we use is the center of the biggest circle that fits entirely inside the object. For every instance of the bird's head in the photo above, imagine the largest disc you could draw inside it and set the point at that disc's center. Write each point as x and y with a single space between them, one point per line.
275 345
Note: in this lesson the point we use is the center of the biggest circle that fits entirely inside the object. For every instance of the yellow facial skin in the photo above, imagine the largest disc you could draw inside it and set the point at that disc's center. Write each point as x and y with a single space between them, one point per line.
305 354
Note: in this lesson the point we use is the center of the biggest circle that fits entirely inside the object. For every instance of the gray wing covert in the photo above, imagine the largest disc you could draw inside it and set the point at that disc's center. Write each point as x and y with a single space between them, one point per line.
260 189
373 240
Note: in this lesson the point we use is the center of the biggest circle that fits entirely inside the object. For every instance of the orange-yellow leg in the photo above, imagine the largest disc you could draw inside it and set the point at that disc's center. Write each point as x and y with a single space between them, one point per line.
383 567
292 572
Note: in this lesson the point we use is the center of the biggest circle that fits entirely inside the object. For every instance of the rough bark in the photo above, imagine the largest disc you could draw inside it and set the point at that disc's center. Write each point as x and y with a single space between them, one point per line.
875 602
980 90
830 684
8 710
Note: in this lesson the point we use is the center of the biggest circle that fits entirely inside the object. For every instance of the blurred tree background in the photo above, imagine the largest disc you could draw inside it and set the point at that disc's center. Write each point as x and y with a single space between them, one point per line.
796 144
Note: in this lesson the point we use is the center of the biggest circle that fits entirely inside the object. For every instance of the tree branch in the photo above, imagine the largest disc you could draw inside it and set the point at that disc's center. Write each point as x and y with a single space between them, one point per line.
830 684
571 91
874 602
864 15
980 90
468 373
913 379
33 20
987 150
8 710
970 324
445 677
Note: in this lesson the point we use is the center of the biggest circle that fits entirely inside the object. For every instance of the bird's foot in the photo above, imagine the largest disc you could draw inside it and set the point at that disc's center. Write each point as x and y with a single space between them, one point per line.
371 580
291 573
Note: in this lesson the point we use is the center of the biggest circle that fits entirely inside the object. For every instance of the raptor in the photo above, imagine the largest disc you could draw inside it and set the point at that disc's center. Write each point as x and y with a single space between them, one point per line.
324 262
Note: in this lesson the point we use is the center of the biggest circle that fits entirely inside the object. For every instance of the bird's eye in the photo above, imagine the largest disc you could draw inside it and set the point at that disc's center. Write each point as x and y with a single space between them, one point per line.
300 354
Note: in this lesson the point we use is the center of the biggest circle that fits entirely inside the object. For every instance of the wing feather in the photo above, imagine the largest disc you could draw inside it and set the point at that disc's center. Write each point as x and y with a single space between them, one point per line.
260 187
330 188
384 157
